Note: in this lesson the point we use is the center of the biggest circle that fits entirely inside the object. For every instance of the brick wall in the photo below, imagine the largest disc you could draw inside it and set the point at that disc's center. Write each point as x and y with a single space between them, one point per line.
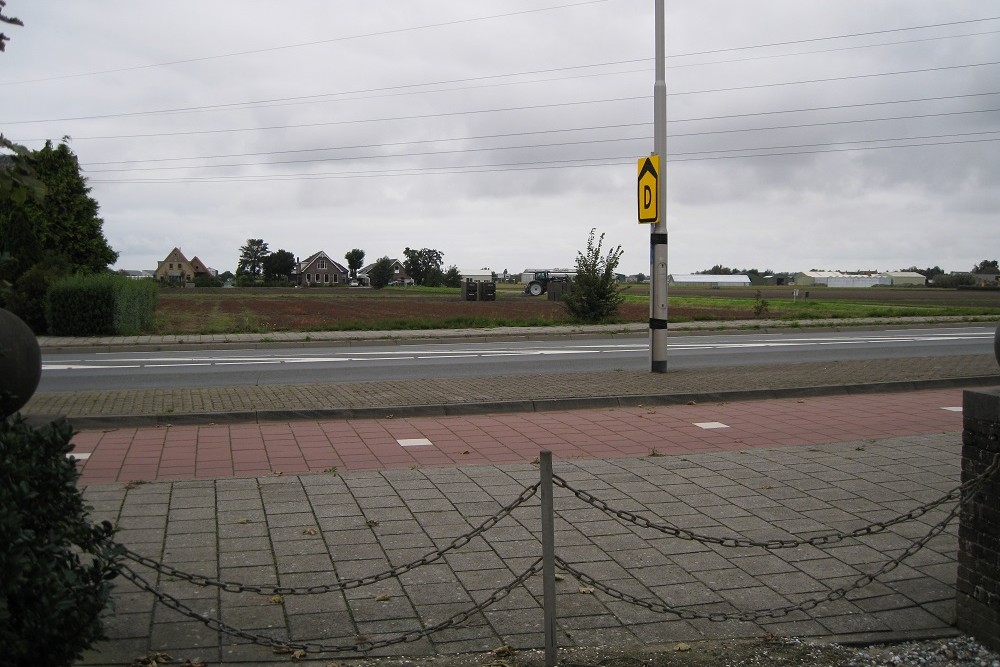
978 601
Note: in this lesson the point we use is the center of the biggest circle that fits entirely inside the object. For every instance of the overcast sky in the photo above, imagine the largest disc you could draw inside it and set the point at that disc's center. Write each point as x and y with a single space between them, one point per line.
832 134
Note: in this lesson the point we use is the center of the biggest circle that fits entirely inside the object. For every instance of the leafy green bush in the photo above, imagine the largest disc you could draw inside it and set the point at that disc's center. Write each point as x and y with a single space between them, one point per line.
595 296
56 565
100 305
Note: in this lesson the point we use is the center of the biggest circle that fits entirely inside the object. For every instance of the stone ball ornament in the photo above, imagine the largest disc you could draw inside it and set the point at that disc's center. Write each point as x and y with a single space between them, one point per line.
20 363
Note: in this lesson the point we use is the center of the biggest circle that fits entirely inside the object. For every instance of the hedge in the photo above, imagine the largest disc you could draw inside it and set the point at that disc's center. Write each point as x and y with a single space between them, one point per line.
100 305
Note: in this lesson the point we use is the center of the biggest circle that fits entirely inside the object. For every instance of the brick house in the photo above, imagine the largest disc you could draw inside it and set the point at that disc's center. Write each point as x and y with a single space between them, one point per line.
319 269
177 268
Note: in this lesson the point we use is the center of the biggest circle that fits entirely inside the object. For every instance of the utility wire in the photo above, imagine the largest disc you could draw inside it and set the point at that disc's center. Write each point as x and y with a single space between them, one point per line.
485 18
548 131
519 108
510 166
386 156
230 106
346 38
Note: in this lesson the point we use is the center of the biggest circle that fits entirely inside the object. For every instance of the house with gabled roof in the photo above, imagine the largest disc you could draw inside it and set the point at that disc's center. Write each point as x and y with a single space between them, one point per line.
320 269
399 274
177 268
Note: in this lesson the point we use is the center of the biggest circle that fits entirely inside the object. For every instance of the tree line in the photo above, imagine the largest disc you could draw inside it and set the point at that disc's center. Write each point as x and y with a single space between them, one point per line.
424 267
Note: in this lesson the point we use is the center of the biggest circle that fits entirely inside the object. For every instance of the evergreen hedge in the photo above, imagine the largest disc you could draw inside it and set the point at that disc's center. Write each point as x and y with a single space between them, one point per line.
100 305
55 565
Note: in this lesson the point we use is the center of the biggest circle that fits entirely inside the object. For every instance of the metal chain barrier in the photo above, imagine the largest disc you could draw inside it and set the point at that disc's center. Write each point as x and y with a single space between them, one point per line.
958 492
236 587
962 493
314 647
777 612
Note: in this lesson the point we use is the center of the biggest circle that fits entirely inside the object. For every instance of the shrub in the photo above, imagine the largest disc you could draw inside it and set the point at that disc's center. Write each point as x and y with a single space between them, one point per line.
595 296
26 298
760 304
57 566
100 305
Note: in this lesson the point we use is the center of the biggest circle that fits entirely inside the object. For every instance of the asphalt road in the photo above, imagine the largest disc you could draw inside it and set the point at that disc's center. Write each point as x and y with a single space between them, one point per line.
297 365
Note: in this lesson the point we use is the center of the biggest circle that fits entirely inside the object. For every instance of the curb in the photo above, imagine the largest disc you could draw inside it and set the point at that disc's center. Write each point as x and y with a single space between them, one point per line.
96 422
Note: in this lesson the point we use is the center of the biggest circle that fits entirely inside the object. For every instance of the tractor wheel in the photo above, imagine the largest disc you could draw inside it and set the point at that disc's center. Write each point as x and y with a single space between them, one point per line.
535 289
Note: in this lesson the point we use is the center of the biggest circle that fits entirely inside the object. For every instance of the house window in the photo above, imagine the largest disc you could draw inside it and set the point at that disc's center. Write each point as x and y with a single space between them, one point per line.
396 269
335 279
316 278
171 265
326 277
321 265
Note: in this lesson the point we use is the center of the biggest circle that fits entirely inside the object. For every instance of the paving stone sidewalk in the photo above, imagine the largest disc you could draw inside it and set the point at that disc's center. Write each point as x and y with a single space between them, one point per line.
320 529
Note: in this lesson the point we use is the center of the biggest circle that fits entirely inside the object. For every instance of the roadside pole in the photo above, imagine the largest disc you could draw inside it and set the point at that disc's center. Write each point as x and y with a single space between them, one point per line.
658 231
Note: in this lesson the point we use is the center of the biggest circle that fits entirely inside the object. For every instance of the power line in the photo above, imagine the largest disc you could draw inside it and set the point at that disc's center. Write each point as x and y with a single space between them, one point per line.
830 50
836 78
485 18
823 39
548 131
240 105
510 166
386 156
520 108
837 122
346 38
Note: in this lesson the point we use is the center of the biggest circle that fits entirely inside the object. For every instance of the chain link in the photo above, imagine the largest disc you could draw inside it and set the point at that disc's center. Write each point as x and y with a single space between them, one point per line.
315 647
237 587
963 490
777 612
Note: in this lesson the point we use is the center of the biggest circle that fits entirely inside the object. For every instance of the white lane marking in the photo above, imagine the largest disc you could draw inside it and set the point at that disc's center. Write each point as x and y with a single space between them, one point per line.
414 442
710 425
952 409
73 367
409 355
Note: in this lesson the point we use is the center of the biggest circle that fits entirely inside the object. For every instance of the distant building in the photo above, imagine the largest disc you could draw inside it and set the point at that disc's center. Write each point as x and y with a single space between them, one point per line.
809 278
708 280
320 269
907 278
177 268
478 275
859 280
399 275
138 274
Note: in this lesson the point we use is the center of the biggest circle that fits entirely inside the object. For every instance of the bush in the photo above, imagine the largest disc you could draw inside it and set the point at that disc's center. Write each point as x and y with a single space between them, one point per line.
100 305
952 281
26 298
56 564
595 296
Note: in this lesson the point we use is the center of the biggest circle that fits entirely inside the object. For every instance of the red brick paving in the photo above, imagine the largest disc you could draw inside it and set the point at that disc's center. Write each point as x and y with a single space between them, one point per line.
242 450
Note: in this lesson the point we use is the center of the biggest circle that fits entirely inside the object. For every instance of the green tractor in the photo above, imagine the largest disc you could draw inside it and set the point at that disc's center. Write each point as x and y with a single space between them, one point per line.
539 283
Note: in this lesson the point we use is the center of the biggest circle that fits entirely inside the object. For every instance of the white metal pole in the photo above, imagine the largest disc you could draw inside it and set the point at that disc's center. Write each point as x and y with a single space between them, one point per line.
658 232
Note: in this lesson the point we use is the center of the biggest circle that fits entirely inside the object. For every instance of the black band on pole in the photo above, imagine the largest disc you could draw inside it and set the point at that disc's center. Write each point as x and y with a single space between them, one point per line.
656 323
657 239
